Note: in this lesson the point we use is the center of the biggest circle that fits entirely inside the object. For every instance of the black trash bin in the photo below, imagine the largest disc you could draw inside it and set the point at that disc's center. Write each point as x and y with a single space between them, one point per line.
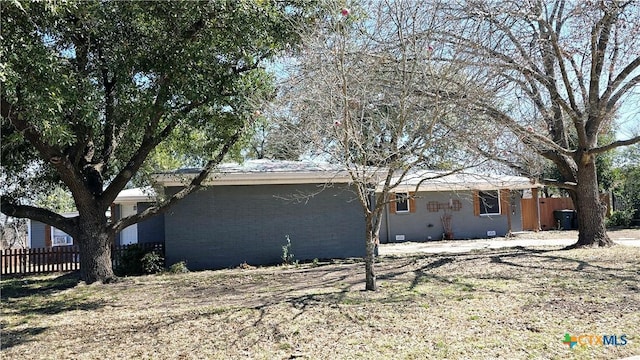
565 219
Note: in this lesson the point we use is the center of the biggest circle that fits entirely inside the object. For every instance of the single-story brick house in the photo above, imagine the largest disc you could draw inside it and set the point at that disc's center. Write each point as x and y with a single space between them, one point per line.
130 202
434 205
248 210
245 214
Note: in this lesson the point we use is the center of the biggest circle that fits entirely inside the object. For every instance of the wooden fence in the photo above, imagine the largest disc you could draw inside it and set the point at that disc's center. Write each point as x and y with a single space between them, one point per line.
545 209
57 259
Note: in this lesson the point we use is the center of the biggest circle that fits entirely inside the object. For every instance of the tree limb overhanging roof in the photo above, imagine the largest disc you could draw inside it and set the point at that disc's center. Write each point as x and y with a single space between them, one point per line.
429 180
264 172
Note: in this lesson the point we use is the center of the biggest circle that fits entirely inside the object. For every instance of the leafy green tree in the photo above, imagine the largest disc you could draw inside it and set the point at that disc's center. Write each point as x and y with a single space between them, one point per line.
627 181
57 200
268 139
91 89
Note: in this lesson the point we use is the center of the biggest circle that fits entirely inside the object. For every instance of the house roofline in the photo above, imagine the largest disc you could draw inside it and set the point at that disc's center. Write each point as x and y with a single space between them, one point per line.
135 195
431 181
257 178
136 199
463 187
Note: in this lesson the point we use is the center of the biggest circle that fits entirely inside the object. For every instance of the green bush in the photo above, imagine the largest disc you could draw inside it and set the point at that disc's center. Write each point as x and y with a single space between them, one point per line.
152 263
620 218
130 261
179 268
134 260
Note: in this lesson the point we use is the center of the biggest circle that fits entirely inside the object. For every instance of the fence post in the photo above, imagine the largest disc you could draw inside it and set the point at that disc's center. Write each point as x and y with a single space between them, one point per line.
24 259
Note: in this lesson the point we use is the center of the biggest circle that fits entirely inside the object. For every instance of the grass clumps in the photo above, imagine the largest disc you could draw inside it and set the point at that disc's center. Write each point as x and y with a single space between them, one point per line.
179 268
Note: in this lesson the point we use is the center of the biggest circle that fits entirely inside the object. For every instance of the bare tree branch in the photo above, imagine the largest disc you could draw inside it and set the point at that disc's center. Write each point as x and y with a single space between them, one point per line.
615 144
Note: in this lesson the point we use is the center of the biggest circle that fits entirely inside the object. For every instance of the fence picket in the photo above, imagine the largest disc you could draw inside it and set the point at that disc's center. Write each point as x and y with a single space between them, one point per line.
56 259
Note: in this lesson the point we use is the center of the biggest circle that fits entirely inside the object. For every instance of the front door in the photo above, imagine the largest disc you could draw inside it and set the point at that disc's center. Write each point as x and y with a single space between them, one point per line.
130 234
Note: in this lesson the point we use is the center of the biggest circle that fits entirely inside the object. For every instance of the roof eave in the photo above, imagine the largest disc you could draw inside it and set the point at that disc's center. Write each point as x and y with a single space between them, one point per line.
133 199
463 187
257 178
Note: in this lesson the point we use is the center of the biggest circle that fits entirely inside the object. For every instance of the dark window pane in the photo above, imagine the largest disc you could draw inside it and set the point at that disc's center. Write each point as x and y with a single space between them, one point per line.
489 202
402 202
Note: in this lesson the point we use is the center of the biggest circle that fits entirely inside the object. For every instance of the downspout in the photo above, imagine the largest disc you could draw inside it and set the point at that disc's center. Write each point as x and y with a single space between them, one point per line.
509 210
386 220
27 244
115 216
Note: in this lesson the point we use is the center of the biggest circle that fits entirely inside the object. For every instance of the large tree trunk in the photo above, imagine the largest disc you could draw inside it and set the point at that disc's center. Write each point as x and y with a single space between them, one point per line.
95 252
592 231
369 260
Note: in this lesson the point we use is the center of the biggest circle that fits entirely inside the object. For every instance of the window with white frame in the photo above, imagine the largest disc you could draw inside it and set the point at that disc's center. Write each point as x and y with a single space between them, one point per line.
60 238
402 202
489 202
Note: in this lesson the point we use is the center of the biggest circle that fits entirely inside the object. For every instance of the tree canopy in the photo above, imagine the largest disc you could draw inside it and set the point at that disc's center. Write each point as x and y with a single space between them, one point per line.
90 89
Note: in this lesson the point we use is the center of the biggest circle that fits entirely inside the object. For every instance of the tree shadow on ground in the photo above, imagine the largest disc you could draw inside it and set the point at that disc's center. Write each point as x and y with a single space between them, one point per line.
13 337
573 265
523 258
289 292
58 306
39 296
264 300
19 287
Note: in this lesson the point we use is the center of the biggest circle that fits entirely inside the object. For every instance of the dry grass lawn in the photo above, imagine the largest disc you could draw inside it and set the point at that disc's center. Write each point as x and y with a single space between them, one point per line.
507 303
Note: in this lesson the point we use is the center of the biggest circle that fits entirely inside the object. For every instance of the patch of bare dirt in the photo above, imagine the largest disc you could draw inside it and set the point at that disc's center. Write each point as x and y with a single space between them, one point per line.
496 303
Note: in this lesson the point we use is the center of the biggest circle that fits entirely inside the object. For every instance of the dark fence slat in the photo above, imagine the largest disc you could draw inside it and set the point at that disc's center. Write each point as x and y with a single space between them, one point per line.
24 260
6 258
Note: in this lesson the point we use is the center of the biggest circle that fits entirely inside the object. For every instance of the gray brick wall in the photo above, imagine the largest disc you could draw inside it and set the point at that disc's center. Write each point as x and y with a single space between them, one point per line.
422 224
152 229
224 226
